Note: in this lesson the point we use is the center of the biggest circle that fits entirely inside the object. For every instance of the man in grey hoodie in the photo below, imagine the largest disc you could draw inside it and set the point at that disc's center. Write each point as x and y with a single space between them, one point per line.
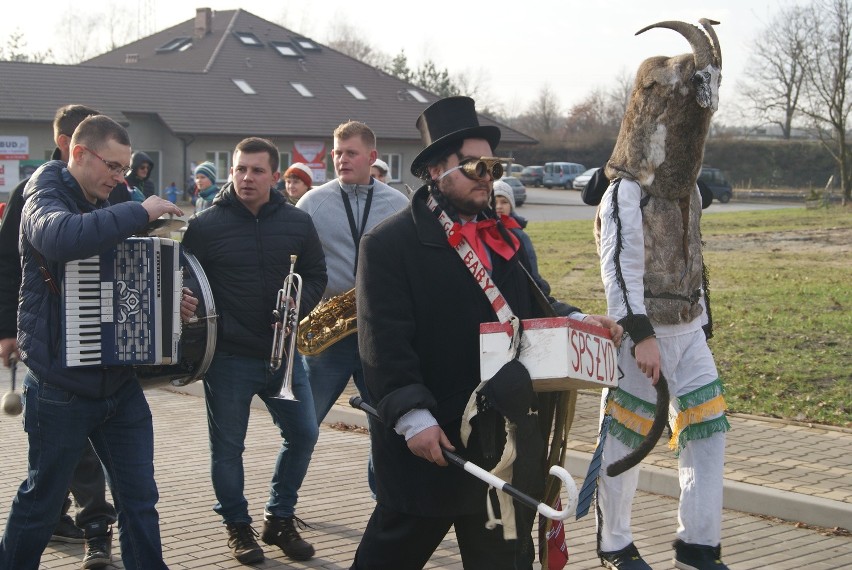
343 210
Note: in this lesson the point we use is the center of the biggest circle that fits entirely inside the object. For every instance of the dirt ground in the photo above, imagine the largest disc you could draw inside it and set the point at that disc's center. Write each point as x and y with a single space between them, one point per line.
837 241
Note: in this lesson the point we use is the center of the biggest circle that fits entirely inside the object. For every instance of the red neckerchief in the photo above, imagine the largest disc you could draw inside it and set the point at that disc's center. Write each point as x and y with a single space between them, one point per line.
485 232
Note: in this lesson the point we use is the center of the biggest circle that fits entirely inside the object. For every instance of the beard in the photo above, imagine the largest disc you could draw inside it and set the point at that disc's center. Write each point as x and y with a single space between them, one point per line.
461 198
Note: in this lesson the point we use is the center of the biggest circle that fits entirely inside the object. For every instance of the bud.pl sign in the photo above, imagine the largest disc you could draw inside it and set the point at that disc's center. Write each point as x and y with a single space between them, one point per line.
14 148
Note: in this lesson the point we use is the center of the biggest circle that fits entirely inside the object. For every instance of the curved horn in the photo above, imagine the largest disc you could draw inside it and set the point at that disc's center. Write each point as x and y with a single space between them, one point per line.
701 48
717 49
660 420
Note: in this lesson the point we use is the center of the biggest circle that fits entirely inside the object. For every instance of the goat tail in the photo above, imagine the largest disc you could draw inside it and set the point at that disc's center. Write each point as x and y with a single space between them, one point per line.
661 418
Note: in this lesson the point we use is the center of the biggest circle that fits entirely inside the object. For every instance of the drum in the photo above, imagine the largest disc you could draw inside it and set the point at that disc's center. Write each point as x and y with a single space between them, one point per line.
198 337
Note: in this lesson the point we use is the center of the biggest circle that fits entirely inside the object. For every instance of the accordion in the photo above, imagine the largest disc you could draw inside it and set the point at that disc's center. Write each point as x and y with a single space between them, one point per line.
122 307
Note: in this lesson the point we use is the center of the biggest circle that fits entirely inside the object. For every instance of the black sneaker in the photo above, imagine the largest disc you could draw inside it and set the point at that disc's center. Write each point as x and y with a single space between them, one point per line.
67 531
281 532
241 541
627 558
697 556
98 551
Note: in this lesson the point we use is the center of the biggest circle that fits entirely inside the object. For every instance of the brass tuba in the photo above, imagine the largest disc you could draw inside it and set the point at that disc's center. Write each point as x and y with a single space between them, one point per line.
328 323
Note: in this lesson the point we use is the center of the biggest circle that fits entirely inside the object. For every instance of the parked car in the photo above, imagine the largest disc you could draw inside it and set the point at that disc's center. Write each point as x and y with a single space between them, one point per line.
561 174
718 183
532 176
512 169
582 179
519 191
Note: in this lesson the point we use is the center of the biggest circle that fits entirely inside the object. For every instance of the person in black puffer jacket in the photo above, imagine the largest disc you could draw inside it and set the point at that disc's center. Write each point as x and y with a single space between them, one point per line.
141 168
244 242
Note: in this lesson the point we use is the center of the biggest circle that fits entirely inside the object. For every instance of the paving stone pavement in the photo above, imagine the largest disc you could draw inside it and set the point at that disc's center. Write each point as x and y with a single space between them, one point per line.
335 500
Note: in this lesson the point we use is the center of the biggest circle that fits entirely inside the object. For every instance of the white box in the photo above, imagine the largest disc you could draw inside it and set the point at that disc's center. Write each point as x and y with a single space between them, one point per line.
559 353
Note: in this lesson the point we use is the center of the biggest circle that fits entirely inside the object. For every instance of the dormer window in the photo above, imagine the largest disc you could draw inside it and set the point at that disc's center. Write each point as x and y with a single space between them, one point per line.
248 38
287 49
177 44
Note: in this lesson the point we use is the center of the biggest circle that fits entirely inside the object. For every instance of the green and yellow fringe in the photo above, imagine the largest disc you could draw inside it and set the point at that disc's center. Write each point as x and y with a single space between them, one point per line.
630 425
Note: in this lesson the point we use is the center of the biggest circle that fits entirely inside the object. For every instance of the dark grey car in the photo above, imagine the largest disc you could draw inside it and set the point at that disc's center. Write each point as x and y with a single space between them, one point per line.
532 176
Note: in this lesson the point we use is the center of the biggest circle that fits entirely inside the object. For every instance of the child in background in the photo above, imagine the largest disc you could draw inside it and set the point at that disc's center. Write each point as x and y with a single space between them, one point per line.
504 205
205 182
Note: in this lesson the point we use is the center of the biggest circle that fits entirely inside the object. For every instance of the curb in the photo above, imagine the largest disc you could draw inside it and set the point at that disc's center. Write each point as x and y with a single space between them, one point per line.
738 496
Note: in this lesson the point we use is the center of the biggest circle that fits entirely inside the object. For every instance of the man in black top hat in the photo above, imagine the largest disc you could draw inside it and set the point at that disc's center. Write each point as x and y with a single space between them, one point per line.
419 309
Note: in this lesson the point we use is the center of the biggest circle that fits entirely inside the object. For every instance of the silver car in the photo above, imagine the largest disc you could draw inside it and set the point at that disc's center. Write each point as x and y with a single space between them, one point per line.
582 179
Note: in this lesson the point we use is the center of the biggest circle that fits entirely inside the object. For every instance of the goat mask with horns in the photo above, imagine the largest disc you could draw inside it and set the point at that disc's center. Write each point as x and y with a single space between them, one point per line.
661 141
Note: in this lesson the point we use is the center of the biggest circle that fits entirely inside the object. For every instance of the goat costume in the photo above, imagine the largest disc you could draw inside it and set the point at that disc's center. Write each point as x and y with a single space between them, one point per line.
649 242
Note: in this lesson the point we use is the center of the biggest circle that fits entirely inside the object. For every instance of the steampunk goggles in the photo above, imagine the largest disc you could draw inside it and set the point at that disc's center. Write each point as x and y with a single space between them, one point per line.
478 168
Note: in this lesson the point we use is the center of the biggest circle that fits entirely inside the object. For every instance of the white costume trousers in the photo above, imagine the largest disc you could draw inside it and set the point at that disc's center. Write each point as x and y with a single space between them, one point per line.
688 366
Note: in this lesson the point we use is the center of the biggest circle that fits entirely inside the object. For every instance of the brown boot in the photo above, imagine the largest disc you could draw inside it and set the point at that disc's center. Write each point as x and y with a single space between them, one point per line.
241 541
281 532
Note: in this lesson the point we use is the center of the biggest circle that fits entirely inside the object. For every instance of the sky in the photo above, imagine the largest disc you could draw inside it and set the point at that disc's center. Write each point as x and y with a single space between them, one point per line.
510 49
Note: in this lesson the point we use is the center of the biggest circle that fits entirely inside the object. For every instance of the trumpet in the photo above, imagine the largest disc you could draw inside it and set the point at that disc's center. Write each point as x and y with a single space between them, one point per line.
286 315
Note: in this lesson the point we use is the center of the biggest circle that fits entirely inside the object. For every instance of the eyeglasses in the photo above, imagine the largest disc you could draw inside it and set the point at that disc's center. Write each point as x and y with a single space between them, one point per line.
478 168
113 167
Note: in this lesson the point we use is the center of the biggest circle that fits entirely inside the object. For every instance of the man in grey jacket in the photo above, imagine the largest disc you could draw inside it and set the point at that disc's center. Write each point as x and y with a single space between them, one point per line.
343 210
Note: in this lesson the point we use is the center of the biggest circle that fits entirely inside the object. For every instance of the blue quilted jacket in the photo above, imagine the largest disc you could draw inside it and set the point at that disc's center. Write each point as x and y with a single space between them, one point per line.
61 225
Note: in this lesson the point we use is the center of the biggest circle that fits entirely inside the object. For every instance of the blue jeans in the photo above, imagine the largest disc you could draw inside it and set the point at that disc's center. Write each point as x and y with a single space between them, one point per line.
59 425
329 373
229 386
89 490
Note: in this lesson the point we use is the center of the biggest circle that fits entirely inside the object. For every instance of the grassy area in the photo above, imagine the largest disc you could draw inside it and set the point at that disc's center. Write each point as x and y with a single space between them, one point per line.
781 291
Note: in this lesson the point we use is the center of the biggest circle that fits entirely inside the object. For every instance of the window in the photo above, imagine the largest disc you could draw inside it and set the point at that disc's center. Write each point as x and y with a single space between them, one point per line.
418 96
283 161
177 44
395 165
222 160
303 91
355 92
249 39
244 86
287 49
307 44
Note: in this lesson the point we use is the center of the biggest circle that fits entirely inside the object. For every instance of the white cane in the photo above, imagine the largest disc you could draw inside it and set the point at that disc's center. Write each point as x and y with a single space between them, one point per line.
494 481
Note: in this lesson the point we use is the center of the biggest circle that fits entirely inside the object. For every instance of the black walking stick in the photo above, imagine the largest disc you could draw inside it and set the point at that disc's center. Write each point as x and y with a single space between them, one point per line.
489 478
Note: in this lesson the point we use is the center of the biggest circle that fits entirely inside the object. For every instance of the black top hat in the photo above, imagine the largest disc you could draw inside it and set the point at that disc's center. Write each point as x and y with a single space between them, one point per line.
446 121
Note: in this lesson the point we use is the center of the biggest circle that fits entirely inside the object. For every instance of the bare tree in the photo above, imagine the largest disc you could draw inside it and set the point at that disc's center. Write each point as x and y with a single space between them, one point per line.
776 69
544 114
16 50
618 96
346 39
829 81
85 35
82 37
